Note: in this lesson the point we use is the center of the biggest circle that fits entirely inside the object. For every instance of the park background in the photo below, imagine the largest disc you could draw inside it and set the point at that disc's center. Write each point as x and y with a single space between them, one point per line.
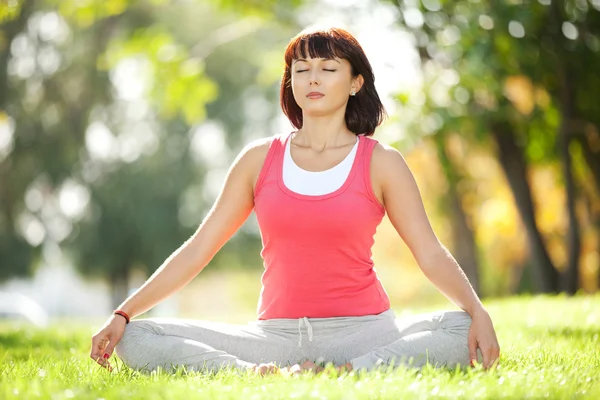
120 118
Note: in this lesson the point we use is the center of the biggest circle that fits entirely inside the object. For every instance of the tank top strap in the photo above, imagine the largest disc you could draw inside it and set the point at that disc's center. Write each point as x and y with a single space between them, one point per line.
272 161
365 169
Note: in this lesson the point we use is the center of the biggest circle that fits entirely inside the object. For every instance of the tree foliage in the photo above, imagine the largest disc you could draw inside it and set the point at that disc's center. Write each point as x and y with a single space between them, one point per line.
520 76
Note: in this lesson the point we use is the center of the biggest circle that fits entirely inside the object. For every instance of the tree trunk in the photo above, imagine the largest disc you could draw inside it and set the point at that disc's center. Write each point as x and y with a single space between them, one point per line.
565 72
591 152
544 275
464 248
569 280
589 200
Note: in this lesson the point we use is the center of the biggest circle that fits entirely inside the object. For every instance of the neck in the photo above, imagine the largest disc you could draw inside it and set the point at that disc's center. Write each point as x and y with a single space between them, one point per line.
321 133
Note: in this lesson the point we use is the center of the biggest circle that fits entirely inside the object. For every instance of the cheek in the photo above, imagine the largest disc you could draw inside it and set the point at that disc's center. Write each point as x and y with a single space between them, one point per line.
296 85
338 83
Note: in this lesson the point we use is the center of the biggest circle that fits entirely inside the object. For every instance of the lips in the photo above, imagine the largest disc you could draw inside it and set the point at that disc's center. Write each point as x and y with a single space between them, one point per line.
315 95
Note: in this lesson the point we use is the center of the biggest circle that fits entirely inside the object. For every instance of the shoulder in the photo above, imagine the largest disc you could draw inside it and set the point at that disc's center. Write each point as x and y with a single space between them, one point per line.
252 157
256 150
387 162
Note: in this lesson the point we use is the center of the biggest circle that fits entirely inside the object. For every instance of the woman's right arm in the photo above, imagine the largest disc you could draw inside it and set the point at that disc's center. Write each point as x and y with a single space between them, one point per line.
232 207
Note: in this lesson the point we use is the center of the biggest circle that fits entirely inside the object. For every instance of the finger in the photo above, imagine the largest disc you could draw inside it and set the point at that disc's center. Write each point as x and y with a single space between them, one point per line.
494 362
495 356
98 346
99 360
487 357
109 349
95 350
103 362
107 365
472 343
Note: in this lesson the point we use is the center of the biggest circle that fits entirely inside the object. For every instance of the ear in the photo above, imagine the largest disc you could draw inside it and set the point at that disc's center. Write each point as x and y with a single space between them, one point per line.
357 83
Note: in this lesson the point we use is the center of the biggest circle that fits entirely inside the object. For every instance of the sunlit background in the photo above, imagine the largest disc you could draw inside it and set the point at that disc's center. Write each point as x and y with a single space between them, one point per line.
120 118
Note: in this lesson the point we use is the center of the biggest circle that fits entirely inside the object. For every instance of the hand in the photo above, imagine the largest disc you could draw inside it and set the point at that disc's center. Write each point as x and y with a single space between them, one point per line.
482 335
105 340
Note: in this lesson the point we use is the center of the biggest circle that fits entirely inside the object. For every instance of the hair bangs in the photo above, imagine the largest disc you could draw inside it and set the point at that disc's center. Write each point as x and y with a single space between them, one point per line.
317 46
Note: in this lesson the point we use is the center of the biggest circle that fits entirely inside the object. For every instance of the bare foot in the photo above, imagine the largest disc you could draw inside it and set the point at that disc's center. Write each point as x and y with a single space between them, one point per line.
298 369
266 369
344 368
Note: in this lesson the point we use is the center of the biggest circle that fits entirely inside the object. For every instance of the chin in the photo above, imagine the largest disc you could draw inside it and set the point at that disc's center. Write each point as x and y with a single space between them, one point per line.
317 112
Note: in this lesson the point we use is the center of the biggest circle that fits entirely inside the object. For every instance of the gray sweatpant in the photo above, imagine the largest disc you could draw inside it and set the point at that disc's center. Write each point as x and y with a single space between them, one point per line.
367 342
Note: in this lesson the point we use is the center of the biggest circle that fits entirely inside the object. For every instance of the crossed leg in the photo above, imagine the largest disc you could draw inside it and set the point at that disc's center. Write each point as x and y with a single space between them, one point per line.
201 345
438 338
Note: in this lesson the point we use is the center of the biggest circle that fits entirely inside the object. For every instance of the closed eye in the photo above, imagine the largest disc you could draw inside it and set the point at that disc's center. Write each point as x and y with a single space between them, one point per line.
328 70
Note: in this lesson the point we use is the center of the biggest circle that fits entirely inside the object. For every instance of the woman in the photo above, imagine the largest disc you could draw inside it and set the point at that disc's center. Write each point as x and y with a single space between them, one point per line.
319 194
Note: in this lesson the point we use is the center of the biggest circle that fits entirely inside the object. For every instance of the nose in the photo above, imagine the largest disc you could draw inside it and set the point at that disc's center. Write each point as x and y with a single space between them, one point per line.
313 78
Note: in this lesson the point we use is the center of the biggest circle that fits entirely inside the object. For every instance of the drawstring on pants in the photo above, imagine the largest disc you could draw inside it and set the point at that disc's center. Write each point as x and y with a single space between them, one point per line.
308 327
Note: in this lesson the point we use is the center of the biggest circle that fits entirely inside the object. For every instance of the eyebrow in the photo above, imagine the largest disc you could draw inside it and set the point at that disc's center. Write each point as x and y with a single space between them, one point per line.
325 59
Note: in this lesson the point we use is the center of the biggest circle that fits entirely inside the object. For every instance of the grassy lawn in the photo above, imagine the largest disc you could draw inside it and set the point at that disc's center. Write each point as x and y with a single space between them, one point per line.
550 349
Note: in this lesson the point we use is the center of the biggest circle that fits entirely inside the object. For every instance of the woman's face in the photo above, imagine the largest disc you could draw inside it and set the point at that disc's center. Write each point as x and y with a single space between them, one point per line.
322 86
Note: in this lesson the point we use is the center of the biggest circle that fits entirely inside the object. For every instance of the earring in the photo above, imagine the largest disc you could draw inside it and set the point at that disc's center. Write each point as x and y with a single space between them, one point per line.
353 93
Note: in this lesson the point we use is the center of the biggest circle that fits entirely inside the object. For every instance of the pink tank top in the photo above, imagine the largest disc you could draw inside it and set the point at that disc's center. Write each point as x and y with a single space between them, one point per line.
317 249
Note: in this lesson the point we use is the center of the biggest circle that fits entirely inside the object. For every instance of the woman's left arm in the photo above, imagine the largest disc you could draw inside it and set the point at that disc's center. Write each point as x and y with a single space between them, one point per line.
404 206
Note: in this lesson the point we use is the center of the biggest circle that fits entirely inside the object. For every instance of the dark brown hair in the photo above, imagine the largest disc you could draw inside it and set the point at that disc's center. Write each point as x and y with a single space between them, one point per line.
364 111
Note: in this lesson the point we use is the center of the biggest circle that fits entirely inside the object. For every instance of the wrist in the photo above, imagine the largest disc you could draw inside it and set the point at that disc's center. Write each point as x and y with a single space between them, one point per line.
119 318
477 310
122 314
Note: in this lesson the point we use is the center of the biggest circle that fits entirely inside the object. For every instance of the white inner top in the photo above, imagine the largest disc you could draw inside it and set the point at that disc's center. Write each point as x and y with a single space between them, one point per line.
318 183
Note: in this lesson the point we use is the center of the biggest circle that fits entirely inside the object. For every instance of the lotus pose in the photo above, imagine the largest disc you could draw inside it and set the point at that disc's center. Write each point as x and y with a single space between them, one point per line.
319 194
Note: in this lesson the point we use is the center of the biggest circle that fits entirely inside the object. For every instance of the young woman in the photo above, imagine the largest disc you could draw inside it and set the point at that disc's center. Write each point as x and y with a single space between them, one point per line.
319 194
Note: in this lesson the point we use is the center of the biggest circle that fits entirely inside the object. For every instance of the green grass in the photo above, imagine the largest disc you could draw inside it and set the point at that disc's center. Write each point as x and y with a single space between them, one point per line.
550 349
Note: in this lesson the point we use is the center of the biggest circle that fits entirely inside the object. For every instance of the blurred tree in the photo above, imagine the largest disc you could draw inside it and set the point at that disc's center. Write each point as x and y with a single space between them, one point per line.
105 107
464 246
524 76
16 255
